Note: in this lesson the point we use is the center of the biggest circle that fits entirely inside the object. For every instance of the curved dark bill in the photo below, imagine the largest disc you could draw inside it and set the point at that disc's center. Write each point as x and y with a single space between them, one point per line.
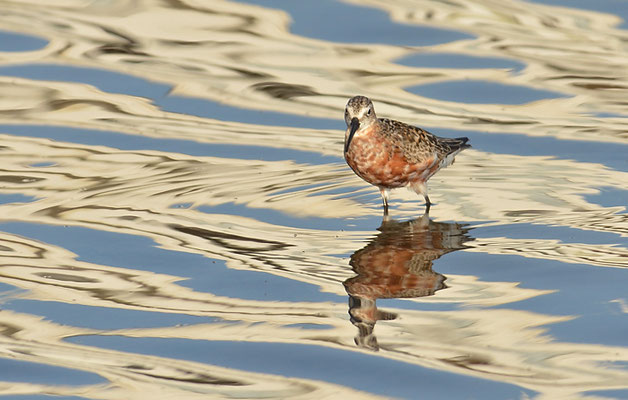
355 124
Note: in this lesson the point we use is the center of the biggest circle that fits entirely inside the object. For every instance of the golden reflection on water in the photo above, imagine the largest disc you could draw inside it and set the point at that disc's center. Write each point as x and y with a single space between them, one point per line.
397 264
245 56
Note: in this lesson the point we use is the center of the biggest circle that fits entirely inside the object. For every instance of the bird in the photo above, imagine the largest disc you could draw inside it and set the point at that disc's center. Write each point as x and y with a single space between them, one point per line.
391 154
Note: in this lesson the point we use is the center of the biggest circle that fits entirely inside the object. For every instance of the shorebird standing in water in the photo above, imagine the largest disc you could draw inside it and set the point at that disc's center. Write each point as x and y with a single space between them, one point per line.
390 154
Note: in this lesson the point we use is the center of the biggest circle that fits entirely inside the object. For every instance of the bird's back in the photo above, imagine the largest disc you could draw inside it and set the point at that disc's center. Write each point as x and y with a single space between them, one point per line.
418 145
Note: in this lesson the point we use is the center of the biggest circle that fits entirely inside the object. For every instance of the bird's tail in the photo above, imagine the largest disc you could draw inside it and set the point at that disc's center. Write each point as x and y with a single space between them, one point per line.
457 144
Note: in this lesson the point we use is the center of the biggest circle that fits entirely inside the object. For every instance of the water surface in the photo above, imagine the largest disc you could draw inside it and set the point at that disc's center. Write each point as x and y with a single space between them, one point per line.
178 220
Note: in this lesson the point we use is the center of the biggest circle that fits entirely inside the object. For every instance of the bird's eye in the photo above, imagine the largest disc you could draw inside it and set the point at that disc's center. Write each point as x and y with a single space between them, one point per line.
368 112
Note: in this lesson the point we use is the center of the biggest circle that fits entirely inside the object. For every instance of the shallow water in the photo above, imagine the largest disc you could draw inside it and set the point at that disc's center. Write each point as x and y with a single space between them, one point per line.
178 220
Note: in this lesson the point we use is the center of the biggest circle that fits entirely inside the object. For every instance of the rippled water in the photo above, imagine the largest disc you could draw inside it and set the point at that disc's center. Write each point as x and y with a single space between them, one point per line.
178 222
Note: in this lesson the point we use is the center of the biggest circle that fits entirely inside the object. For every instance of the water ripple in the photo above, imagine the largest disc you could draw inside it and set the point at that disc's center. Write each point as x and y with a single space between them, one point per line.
178 222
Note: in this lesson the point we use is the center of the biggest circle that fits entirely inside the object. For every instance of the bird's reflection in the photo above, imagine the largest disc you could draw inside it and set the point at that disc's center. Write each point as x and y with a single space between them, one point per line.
398 264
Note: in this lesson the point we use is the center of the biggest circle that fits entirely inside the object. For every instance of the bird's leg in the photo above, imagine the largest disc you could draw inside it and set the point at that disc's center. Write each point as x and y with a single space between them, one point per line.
384 193
421 188
428 204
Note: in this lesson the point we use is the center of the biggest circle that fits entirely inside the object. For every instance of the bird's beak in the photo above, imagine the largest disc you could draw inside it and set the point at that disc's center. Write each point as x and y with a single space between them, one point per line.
355 124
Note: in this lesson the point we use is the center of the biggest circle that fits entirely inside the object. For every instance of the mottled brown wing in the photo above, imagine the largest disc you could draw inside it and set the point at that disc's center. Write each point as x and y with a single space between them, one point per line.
419 145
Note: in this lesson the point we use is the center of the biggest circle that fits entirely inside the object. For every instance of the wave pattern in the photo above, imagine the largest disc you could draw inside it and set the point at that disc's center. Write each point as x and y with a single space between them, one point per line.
216 140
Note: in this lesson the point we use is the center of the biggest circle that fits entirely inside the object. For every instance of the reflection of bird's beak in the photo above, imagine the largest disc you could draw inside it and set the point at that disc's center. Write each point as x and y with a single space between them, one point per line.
355 124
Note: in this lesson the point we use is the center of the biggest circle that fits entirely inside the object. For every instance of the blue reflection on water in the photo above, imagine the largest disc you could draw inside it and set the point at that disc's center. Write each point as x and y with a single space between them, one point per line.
609 115
102 317
256 285
310 326
459 61
38 164
42 374
105 80
610 197
336 21
14 42
482 92
15 198
358 370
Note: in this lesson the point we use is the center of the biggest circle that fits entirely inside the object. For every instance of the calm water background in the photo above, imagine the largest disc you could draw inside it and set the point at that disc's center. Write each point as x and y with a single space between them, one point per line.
177 220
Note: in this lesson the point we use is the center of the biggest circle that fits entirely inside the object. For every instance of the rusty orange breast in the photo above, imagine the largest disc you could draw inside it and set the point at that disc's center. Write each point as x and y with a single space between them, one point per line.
380 163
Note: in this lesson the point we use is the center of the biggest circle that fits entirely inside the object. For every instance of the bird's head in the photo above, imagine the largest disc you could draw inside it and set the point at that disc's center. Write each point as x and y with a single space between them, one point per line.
359 114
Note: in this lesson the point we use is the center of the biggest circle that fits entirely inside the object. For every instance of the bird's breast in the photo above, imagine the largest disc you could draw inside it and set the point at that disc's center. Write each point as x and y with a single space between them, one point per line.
380 163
